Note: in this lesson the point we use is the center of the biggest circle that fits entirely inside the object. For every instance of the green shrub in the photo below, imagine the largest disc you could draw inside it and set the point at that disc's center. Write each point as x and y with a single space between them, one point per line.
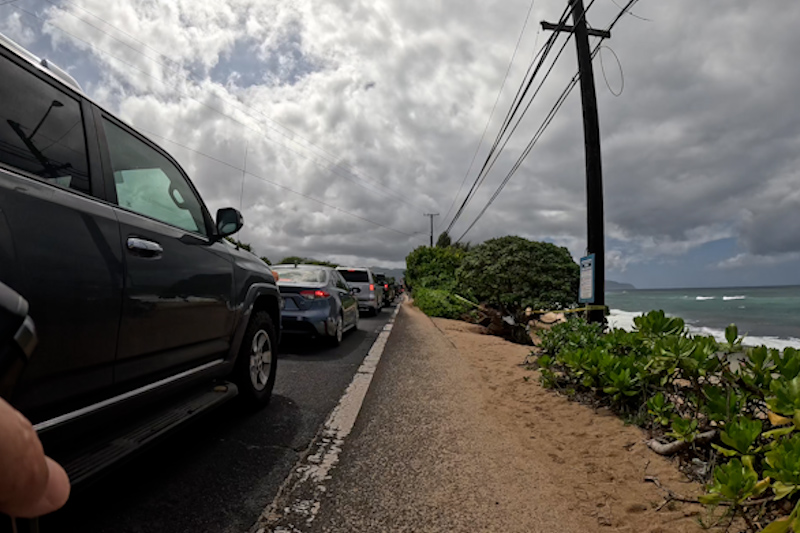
434 302
688 387
573 334
433 268
734 482
512 273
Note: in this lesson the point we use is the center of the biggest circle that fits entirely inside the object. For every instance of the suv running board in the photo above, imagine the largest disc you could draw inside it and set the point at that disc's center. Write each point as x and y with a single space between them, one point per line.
121 446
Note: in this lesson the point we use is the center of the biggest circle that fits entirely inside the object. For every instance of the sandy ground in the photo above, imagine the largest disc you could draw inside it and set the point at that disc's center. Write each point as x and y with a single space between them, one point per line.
452 437
594 463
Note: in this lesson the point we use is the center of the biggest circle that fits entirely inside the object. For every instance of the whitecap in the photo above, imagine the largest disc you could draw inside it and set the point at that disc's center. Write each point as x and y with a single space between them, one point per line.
734 298
624 320
619 319
701 298
780 343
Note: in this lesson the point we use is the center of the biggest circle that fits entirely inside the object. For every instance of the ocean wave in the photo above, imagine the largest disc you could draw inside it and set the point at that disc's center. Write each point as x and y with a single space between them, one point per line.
726 298
624 320
701 298
750 340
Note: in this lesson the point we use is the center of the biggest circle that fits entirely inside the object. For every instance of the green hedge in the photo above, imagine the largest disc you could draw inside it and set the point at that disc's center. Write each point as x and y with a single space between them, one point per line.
681 385
435 302
433 268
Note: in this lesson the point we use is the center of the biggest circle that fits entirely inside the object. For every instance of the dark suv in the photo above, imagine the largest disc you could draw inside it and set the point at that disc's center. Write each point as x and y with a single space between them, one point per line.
133 290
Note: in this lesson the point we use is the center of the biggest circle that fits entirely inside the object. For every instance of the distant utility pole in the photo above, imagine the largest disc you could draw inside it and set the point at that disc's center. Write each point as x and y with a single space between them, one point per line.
591 135
431 215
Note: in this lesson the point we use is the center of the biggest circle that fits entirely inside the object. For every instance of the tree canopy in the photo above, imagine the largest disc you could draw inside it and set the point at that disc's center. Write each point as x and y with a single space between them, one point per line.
513 273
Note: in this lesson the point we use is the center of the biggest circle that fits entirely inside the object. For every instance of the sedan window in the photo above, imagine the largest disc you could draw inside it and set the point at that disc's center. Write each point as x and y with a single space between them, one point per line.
302 275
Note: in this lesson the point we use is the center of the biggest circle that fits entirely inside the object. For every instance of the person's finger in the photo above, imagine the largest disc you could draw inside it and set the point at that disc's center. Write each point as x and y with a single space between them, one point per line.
55 494
30 484
23 470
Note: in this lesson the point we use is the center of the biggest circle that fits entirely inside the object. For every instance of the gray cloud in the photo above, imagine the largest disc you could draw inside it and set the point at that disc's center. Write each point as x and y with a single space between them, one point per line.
701 146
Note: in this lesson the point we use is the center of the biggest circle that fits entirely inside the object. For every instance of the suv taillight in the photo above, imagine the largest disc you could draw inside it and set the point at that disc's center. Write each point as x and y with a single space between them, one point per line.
371 287
386 286
314 295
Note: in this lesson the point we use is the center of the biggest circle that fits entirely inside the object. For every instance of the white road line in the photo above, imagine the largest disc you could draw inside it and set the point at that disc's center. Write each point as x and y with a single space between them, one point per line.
306 483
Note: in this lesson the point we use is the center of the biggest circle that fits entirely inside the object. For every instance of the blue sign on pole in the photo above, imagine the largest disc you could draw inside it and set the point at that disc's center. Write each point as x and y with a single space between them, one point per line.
586 292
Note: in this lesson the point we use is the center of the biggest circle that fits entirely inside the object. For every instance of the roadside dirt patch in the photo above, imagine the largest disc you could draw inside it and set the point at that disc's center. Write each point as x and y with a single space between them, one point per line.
599 463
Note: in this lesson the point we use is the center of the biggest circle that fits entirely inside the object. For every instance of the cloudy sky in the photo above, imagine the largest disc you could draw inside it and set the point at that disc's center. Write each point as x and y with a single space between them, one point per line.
353 118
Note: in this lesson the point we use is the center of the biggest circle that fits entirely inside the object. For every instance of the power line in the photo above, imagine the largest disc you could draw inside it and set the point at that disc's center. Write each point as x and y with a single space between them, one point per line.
128 35
492 158
551 115
384 191
494 107
284 187
631 13
621 72
494 154
475 183
530 76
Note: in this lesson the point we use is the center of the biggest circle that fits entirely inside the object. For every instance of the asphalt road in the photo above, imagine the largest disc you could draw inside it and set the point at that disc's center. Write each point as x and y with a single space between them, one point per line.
220 473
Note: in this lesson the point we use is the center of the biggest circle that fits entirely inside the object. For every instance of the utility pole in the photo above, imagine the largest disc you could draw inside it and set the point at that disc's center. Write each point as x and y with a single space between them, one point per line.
591 135
431 215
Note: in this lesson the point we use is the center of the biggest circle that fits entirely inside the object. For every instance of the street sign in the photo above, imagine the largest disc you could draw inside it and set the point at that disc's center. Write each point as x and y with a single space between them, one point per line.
586 291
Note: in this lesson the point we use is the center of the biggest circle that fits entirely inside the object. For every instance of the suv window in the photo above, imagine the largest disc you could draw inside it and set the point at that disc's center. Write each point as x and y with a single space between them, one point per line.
355 276
41 129
149 184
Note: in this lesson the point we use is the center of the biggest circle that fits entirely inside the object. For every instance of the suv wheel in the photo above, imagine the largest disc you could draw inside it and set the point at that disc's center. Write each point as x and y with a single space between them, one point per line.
257 361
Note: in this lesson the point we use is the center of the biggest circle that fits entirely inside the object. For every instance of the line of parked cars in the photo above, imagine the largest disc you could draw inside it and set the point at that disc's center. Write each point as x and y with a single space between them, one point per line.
324 302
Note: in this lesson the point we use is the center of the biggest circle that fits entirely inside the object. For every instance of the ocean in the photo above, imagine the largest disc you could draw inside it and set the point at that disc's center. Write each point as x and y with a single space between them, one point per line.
767 315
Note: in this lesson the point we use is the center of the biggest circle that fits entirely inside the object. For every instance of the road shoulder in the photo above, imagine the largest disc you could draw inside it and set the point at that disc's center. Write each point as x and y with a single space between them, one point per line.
436 447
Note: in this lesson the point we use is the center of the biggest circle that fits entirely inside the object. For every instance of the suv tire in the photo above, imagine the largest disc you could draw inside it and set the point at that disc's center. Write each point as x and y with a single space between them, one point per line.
254 373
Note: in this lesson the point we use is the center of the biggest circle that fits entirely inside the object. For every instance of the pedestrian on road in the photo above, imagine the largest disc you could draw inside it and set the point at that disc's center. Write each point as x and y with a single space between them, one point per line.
31 484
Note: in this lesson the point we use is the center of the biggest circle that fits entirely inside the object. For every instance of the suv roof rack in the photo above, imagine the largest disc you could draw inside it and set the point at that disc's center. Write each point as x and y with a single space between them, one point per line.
53 69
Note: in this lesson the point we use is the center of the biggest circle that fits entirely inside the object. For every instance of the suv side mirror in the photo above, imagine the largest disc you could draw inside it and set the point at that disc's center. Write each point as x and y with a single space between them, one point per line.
229 221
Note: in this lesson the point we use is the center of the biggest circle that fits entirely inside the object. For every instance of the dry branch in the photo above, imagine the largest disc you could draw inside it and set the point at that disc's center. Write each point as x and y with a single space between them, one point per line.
671 448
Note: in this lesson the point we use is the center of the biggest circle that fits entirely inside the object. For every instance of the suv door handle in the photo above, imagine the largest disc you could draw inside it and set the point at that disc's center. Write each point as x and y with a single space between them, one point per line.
144 248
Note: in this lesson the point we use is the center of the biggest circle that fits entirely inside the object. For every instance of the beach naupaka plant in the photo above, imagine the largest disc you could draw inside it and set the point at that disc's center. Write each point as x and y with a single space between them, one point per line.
660 409
740 437
787 364
658 324
722 404
733 340
734 482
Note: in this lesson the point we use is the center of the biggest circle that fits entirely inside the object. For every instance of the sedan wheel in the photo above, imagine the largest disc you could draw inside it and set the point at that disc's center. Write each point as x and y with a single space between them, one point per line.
336 339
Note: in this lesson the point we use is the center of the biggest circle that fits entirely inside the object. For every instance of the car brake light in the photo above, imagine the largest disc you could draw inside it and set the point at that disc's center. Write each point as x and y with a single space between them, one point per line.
386 286
313 295
371 287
